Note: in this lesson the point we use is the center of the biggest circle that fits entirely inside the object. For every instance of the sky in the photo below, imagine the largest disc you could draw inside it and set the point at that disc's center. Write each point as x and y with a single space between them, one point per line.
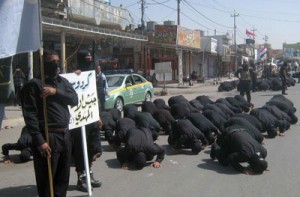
273 21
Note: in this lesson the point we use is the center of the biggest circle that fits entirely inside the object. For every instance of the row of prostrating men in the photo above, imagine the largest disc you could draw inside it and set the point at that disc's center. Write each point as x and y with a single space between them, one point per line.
235 130
272 83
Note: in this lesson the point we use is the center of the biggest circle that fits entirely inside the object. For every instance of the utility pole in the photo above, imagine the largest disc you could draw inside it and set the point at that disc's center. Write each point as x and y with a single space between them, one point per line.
266 39
143 28
254 30
179 50
235 48
143 13
178 12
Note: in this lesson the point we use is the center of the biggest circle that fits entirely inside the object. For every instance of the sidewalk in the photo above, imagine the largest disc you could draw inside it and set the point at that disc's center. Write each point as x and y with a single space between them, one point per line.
13 117
172 88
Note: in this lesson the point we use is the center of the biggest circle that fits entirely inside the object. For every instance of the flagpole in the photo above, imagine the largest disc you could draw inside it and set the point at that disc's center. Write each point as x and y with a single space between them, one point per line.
44 101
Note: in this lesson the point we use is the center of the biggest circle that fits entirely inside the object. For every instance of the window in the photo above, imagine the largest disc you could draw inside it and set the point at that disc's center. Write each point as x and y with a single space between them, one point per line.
129 80
137 79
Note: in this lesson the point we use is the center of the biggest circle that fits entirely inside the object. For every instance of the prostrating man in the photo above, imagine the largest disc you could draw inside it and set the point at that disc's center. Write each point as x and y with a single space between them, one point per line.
185 135
140 148
24 145
270 123
123 125
146 120
235 146
59 93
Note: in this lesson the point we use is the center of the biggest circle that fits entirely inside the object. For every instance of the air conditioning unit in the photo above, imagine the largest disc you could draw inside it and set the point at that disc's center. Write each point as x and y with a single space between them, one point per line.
62 15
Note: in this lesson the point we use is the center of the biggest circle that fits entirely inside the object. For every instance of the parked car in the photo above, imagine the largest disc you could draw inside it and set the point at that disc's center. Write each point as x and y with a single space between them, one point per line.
126 89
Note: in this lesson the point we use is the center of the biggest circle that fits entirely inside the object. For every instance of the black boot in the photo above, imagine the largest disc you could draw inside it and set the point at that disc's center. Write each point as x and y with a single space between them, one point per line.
283 92
94 183
212 152
81 182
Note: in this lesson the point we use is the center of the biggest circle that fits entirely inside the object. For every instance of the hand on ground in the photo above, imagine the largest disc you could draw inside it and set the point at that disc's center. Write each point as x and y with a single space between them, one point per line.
125 166
155 164
7 160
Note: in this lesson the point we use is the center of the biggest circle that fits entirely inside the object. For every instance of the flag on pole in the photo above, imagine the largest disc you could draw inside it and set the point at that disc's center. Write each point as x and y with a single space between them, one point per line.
250 33
19 27
262 54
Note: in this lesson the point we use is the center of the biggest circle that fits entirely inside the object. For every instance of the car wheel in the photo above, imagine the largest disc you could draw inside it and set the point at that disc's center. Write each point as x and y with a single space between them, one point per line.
148 96
119 104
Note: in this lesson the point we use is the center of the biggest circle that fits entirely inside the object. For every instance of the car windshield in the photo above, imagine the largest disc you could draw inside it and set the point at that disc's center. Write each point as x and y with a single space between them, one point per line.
114 81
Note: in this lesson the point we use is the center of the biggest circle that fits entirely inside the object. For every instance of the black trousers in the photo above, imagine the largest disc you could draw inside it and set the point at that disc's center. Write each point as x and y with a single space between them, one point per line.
60 144
283 88
101 97
93 142
25 151
245 87
17 95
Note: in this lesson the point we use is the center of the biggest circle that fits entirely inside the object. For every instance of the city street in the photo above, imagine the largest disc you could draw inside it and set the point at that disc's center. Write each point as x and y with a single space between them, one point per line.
181 173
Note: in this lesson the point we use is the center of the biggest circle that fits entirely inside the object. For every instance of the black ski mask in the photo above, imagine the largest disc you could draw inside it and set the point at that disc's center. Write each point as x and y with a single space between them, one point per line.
51 69
84 64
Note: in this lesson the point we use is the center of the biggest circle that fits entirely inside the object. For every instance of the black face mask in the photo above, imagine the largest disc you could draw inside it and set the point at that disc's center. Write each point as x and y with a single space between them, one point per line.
51 69
86 66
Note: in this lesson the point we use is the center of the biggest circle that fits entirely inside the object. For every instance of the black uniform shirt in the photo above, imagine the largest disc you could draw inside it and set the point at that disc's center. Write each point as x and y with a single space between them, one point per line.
140 140
57 106
241 147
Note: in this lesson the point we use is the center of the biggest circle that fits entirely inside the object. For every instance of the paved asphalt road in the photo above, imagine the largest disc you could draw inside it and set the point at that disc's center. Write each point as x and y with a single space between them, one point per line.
181 174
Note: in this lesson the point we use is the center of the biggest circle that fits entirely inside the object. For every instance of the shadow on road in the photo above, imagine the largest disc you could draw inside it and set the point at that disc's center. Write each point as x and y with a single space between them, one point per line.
24 191
209 164
171 151
113 163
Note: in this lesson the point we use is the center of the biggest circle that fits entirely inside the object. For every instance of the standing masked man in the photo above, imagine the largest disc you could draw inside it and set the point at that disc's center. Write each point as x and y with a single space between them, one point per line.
93 140
283 76
59 93
245 84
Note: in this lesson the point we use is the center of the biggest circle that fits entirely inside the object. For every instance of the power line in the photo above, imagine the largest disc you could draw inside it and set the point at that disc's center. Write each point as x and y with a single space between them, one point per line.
133 4
273 19
240 33
158 3
183 15
205 16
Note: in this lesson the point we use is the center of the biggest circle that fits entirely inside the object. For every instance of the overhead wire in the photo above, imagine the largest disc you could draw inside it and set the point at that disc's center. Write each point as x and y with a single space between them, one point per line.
183 14
157 3
205 15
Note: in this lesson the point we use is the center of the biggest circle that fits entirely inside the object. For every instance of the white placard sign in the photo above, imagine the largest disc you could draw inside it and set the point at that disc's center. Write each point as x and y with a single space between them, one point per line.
163 67
87 110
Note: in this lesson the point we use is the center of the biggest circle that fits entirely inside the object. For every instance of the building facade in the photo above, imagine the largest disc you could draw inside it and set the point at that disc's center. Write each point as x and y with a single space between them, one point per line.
107 31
